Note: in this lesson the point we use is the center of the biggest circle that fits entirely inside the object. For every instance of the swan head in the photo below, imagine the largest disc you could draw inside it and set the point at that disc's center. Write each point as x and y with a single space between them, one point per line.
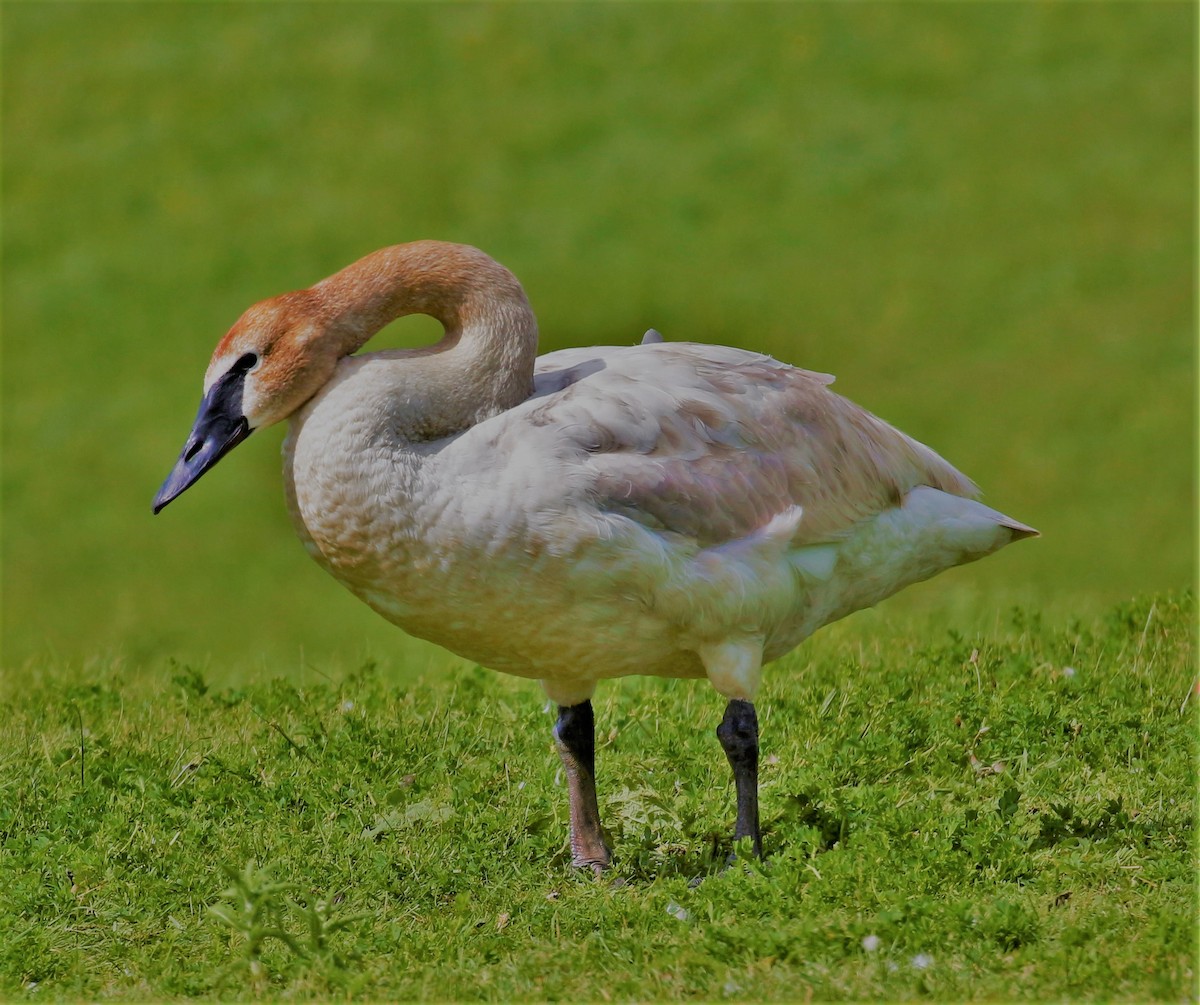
283 350
269 364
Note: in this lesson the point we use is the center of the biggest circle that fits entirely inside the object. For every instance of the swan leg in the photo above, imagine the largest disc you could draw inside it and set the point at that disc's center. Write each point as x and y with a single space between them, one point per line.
575 735
738 734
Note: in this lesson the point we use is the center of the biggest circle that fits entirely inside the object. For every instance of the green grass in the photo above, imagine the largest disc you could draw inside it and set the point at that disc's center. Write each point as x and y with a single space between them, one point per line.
1007 816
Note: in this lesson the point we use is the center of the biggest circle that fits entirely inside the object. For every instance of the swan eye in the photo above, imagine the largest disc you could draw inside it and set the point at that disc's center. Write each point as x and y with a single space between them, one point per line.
245 364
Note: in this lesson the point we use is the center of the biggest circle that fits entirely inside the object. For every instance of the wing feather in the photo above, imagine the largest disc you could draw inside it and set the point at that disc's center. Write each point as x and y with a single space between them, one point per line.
711 443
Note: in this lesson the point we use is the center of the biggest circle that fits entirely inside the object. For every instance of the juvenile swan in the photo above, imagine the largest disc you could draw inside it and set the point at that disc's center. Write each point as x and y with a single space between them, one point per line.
667 508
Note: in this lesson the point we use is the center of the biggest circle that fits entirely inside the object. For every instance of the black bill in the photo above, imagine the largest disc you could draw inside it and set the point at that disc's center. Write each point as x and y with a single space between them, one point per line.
219 427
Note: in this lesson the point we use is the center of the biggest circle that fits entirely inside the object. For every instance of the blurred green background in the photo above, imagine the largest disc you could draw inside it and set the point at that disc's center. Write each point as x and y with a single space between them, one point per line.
981 217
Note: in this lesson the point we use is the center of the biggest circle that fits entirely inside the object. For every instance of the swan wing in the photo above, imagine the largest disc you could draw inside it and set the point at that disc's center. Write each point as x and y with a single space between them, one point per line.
713 443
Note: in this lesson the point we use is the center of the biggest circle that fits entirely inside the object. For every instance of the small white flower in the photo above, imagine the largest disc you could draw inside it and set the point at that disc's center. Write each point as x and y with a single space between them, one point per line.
870 943
1068 671
922 961
347 705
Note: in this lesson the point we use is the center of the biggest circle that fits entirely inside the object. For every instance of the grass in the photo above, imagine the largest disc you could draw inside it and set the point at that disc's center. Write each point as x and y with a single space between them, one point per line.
998 817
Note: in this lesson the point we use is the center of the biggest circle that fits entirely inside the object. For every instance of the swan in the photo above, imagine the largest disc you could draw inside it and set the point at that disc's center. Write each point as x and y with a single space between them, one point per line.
665 508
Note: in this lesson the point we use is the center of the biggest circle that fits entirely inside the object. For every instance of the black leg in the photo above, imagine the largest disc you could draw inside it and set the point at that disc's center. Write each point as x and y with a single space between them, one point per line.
738 734
575 735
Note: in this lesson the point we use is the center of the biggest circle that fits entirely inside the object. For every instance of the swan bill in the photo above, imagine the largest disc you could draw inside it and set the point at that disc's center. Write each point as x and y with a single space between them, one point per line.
219 427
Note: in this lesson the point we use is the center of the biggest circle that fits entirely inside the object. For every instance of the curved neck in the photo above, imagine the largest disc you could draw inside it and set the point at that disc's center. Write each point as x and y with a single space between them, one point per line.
488 351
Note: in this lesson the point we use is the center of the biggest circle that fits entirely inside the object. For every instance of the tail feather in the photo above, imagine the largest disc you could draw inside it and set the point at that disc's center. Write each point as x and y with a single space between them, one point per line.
1019 530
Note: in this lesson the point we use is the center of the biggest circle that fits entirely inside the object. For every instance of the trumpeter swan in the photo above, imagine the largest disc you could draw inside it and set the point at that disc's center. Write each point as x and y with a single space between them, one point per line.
668 508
